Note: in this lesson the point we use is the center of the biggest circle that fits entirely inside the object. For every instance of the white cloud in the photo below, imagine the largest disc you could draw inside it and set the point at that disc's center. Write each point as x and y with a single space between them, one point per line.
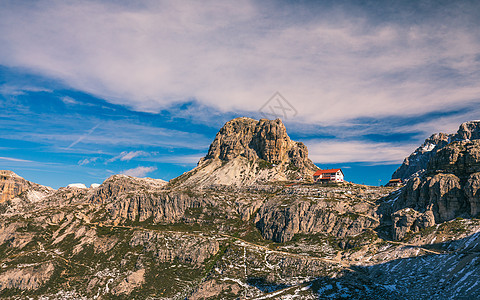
87 161
13 90
335 151
234 56
128 155
14 159
139 171
82 137
69 100
179 159
132 154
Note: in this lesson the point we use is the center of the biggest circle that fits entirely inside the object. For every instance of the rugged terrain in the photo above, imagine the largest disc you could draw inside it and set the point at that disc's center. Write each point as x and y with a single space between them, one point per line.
244 225
416 164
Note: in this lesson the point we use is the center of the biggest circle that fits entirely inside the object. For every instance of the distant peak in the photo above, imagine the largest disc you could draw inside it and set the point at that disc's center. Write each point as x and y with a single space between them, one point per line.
8 173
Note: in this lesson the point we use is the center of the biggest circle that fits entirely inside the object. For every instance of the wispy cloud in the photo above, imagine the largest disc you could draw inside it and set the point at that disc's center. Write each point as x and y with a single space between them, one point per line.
13 90
14 159
178 159
128 155
81 138
335 151
87 161
69 100
116 133
139 171
332 64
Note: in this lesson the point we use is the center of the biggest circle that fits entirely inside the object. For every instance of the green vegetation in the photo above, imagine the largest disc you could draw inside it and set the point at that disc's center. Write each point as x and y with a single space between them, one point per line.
263 164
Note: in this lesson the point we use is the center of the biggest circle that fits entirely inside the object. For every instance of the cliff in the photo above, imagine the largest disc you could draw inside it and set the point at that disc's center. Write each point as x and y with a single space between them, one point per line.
417 162
246 152
449 188
19 192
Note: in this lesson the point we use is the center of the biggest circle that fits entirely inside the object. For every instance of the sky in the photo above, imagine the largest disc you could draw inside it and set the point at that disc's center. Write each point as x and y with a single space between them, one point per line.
95 88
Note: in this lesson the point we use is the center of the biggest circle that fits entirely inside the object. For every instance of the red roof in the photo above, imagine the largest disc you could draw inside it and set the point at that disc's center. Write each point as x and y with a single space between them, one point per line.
329 171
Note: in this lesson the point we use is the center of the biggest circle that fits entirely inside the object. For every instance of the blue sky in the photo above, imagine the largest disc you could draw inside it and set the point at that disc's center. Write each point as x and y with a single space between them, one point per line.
97 88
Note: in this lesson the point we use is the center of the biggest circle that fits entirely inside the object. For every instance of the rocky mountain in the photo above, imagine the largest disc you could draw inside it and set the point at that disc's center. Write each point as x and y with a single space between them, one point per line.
417 162
17 192
247 151
253 234
449 188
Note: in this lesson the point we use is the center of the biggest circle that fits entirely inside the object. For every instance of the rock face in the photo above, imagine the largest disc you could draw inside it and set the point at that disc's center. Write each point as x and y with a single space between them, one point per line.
264 139
449 188
12 186
246 151
189 250
280 222
417 162
208 234
138 199
27 278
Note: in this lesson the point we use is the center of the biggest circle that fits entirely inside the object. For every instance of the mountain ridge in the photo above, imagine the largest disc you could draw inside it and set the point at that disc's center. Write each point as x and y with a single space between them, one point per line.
246 151
198 237
416 163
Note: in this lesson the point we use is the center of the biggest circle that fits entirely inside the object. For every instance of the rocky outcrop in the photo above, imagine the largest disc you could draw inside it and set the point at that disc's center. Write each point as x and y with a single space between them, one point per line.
27 278
246 151
280 222
139 199
193 250
133 280
448 189
12 185
264 139
472 191
460 158
468 131
417 162
409 220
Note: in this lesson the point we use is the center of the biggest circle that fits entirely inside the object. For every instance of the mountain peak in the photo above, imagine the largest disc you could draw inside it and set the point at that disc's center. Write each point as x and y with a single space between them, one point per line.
263 139
246 151
12 185
417 162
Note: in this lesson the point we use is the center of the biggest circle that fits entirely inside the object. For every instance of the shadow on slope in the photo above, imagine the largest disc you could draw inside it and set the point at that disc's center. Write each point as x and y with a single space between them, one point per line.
453 275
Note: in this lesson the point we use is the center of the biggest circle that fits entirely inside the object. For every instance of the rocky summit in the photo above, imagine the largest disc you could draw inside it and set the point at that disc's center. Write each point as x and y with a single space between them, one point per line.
417 162
248 223
449 188
246 151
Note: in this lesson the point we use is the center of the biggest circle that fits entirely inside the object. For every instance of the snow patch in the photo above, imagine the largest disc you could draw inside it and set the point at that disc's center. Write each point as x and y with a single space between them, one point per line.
77 185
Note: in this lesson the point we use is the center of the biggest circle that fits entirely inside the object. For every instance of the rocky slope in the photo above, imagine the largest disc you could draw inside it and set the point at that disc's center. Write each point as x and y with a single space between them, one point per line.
17 193
447 189
12 185
235 227
417 162
246 151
